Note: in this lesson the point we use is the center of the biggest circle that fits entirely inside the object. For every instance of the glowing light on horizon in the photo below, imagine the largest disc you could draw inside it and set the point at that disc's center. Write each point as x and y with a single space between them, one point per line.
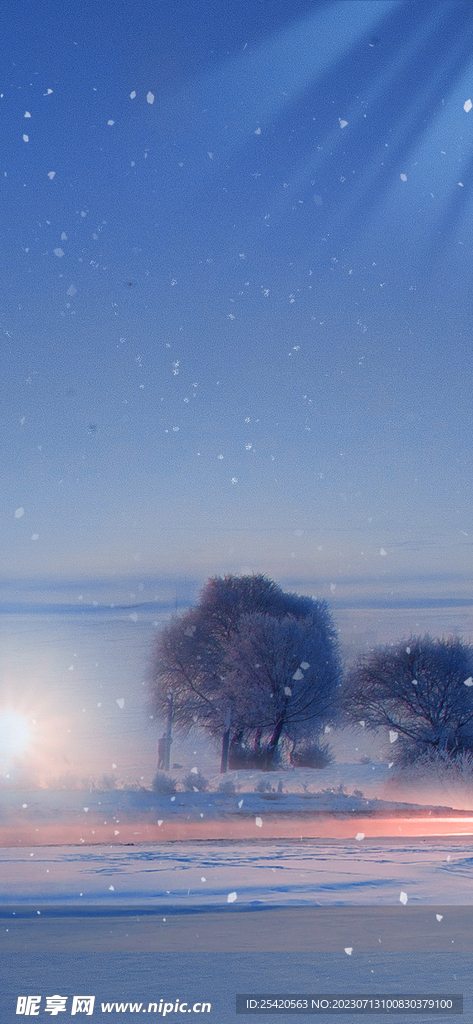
15 734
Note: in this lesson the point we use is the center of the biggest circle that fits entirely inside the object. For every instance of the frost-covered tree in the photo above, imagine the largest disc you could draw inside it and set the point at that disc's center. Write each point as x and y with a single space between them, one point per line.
281 676
421 690
206 660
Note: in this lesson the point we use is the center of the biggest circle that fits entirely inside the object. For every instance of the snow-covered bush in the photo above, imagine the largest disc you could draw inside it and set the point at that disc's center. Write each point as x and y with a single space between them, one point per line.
441 766
107 782
163 784
308 754
264 786
227 787
243 754
195 781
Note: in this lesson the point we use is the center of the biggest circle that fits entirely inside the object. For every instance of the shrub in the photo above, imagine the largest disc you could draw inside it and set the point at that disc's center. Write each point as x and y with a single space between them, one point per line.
441 766
311 755
227 787
195 781
107 782
264 786
243 755
163 784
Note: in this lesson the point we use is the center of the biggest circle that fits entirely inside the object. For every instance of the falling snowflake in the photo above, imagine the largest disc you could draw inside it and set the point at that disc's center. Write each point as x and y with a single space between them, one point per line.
259 822
150 97
231 897
19 512
403 898
467 106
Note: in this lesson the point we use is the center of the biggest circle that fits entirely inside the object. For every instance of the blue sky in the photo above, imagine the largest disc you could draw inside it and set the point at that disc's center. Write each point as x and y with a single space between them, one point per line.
236 319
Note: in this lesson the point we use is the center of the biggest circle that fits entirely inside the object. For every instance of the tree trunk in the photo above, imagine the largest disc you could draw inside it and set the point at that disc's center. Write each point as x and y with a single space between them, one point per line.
234 746
225 745
272 745
257 742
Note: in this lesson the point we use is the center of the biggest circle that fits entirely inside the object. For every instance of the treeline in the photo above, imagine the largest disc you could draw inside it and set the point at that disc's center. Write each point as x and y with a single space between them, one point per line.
260 669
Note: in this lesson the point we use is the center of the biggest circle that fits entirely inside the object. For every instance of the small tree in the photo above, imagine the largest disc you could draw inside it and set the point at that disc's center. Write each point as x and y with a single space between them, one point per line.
420 689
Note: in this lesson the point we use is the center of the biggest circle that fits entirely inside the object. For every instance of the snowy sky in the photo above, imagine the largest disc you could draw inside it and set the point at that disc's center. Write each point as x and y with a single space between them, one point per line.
236 302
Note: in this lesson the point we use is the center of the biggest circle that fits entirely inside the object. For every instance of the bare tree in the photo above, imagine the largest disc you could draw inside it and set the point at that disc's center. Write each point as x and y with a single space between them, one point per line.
186 663
421 690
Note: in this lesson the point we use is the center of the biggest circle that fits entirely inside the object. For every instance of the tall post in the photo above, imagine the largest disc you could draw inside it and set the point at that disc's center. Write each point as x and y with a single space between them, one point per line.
167 751
225 744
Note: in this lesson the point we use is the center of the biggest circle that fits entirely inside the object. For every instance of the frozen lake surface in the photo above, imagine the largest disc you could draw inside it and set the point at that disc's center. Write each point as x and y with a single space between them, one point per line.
196 875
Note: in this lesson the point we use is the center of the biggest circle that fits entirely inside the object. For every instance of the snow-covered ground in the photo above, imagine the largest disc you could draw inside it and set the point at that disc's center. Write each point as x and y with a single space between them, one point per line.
341 790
